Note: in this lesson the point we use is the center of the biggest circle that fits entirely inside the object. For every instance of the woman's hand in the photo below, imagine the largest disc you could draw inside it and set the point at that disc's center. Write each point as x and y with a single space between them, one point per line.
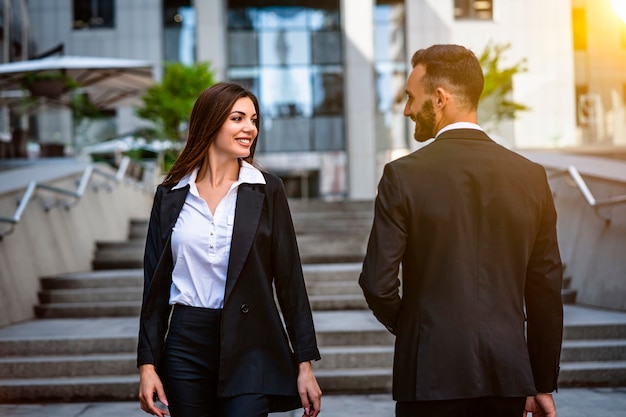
150 384
309 390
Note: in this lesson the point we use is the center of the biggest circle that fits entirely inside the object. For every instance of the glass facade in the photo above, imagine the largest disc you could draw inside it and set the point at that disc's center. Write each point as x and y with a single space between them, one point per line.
391 73
473 9
291 57
179 27
91 14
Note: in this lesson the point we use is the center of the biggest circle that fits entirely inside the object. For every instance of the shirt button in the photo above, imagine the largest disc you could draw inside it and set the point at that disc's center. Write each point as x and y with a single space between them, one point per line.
211 246
244 308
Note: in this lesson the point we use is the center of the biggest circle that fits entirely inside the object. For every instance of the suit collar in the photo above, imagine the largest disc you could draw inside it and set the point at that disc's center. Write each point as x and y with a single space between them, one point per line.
458 125
474 134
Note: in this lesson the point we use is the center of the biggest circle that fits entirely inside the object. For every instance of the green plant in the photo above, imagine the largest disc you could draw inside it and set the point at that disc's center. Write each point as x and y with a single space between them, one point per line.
496 101
168 104
48 83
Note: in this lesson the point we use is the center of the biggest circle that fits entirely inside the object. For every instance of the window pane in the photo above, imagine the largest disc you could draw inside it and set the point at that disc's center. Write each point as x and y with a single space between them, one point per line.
390 85
248 79
461 9
328 93
282 18
242 49
324 19
286 134
473 9
239 19
93 14
328 133
284 48
389 35
326 47
286 91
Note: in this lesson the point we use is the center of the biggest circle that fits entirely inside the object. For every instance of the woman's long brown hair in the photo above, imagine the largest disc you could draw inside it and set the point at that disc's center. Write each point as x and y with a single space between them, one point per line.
209 113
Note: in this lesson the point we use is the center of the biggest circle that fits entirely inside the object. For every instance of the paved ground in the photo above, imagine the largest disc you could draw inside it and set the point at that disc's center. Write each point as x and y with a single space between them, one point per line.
571 402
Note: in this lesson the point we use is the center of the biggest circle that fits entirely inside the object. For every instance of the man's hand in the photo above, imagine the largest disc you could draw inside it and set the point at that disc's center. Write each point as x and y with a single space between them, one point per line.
149 385
541 405
309 390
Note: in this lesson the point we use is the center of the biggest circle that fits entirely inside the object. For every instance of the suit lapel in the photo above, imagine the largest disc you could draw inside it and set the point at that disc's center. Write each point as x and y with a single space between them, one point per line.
247 215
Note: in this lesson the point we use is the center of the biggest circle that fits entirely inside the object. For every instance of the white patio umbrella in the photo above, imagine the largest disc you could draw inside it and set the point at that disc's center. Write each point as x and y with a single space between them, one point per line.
109 82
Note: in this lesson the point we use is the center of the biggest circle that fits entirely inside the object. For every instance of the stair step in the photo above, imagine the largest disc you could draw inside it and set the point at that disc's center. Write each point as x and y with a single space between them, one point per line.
567 282
363 380
94 279
336 271
357 337
76 307
593 350
133 258
138 229
568 295
76 310
594 331
68 365
135 244
67 346
113 263
111 388
91 295
315 206
351 357
119 253
326 288
597 373
337 302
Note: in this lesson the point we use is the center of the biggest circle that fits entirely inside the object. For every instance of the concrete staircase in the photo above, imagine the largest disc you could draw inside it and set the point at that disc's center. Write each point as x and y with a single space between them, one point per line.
71 358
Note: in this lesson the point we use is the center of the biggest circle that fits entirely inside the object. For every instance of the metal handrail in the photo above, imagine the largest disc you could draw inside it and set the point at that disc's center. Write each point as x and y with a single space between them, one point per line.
589 197
76 195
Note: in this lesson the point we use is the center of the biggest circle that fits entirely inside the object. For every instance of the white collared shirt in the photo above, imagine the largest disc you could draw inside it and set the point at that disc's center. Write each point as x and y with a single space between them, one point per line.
201 243
458 125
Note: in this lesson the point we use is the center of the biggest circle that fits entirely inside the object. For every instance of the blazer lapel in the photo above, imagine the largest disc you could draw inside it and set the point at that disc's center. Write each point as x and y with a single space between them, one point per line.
171 205
247 215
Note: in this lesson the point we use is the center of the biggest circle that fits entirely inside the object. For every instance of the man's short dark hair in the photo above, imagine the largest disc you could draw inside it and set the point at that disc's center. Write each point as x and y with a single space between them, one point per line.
453 67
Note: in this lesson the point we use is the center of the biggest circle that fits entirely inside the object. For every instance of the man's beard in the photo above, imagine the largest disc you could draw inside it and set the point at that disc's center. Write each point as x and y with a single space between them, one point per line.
424 122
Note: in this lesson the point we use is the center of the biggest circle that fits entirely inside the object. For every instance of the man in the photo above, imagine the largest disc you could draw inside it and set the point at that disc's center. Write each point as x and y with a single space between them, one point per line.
473 226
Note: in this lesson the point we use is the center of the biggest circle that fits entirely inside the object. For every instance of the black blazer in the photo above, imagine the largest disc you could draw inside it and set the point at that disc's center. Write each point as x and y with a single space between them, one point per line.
255 353
473 226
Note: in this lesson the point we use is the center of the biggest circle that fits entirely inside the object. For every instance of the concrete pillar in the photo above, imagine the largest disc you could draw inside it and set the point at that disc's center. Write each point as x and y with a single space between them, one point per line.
360 97
211 22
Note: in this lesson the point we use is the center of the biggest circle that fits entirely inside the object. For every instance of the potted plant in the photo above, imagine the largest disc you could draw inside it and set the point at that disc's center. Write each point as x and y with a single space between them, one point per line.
48 84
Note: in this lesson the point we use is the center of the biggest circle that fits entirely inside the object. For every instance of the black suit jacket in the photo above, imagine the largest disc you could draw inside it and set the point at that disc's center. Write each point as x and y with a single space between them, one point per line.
473 227
255 354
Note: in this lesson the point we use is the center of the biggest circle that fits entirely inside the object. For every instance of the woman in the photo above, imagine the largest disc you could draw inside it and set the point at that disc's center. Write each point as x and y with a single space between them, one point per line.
220 240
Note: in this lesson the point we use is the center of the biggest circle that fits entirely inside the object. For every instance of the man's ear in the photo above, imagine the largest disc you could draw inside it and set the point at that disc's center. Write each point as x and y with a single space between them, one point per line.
441 98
